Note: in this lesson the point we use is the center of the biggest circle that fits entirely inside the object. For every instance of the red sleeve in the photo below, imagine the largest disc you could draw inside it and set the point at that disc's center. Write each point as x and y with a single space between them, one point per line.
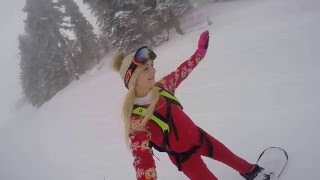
171 81
143 158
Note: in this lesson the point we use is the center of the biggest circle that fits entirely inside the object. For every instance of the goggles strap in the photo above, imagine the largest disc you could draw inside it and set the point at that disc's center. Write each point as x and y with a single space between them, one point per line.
129 73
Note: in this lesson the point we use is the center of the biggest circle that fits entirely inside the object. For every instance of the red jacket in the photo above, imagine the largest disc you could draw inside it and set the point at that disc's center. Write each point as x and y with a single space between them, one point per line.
187 131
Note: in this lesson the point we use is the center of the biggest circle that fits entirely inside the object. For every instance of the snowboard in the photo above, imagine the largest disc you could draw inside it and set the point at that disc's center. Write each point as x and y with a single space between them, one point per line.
274 161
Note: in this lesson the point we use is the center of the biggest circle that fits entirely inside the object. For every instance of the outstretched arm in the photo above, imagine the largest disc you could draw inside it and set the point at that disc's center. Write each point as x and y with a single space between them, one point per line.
171 81
143 158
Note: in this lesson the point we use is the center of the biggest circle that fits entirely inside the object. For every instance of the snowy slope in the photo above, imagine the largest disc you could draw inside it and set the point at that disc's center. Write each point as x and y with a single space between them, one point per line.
257 87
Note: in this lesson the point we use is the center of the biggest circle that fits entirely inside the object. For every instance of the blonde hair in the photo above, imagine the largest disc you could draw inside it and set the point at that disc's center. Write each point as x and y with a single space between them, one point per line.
127 108
118 58
128 102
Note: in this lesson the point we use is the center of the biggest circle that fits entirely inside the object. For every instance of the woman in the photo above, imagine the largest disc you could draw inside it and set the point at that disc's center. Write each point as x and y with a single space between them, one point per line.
154 118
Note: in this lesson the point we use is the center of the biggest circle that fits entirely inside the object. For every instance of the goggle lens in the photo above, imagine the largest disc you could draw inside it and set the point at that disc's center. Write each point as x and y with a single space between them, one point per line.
144 54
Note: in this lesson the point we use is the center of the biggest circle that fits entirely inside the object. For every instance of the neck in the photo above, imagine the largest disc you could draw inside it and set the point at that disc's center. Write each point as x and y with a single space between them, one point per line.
142 92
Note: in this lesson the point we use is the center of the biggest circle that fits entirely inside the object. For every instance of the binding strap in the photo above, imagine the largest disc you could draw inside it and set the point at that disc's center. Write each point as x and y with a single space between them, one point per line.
143 112
171 98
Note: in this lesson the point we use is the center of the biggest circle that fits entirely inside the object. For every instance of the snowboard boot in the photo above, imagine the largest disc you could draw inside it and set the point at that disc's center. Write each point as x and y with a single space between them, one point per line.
251 175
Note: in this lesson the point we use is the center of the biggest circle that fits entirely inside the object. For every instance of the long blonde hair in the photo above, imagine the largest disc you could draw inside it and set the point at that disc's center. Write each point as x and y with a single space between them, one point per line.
127 111
128 102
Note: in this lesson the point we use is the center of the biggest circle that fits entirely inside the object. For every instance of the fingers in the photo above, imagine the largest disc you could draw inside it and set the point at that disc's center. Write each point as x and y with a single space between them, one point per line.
207 42
205 33
204 40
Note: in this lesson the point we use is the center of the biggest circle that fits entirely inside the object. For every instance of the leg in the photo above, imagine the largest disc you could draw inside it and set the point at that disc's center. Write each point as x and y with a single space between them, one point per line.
223 154
195 169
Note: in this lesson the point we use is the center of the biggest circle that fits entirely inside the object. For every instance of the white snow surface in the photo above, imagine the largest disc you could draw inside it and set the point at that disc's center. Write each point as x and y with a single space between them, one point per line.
257 87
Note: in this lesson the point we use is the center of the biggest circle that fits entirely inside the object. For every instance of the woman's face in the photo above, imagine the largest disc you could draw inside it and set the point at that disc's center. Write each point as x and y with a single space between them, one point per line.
146 77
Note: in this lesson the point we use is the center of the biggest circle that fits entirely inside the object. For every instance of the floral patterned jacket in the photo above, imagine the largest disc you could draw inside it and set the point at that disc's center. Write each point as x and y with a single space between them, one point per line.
187 131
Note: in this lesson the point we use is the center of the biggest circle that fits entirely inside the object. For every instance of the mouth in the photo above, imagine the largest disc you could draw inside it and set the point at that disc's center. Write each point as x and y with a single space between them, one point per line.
152 78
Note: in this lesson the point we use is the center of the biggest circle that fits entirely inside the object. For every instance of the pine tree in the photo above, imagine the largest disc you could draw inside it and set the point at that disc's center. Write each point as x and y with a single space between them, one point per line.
129 27
101 9
123 23
128 24
171 11
180 7
84 49
44 69
153 20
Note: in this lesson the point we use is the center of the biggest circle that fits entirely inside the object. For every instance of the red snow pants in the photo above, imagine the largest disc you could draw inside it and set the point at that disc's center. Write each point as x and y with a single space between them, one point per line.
195 168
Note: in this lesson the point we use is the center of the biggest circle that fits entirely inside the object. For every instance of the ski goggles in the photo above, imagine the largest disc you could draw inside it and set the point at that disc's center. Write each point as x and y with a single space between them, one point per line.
141 57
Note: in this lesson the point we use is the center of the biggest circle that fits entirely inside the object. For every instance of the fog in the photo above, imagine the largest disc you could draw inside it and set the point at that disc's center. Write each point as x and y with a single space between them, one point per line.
12 24
11 18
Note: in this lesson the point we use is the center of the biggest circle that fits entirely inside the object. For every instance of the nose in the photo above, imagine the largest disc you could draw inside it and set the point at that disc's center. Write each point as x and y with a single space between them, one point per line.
153 69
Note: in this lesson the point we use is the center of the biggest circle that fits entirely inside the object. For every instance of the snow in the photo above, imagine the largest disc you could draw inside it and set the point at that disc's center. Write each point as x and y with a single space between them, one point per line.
122 14
84 8
257 87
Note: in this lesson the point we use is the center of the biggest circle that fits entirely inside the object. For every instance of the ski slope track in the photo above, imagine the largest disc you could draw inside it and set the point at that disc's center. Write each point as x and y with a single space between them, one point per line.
257 87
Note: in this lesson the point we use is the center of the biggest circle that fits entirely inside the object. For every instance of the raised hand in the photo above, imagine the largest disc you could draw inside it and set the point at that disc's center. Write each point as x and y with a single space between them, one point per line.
203 43
204 40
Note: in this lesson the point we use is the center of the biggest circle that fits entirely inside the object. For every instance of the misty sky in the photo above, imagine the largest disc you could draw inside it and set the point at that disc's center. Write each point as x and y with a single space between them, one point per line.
11 18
